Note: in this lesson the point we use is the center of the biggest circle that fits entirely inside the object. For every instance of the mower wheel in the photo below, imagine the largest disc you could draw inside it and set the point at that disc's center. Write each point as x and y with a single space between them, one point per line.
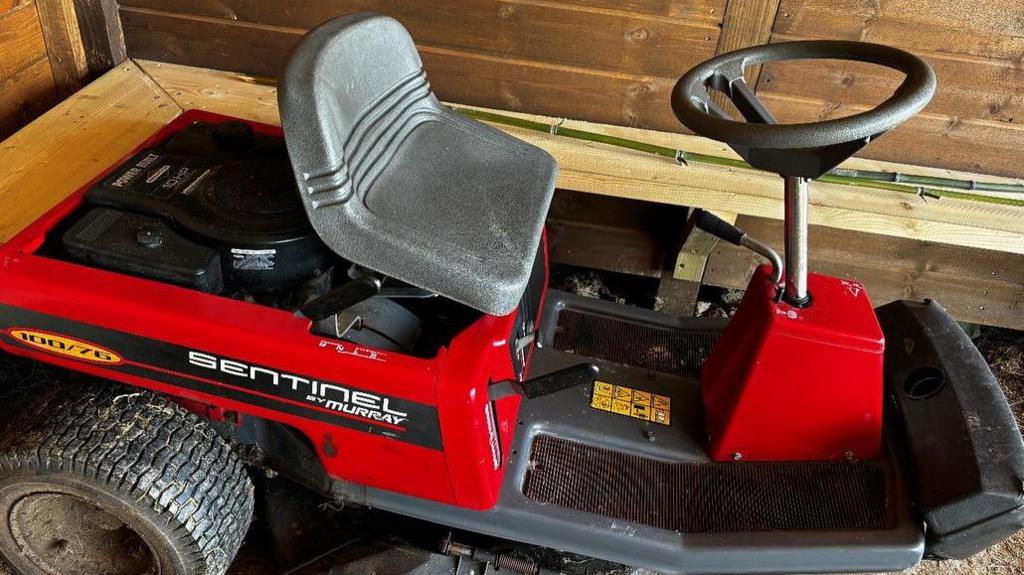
100 478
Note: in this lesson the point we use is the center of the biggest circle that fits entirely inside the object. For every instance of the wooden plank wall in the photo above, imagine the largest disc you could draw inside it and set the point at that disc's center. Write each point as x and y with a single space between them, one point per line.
615 61
611 61
27 85
976 120
41 59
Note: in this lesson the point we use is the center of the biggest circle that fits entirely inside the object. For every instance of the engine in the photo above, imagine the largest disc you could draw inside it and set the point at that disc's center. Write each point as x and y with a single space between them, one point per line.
215 209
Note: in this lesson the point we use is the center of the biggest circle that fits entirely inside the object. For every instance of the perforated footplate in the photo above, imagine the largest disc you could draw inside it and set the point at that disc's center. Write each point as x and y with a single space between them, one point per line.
706 497
629 342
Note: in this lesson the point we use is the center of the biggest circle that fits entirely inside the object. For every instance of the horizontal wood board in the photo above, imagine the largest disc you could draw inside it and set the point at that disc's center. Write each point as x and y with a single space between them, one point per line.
615 64
65 148
977 286
976 120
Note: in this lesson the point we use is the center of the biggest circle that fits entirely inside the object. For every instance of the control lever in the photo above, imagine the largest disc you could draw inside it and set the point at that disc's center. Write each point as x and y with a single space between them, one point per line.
572 376
341 298
358 290
722 229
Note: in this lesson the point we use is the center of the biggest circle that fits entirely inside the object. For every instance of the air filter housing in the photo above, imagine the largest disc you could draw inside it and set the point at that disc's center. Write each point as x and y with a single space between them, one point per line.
229 189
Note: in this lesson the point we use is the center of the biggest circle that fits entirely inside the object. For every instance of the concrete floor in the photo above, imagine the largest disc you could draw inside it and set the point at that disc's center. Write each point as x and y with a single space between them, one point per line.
1004 559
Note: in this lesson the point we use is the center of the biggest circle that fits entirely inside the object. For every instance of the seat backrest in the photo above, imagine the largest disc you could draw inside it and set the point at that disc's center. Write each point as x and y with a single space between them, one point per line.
353 88
397 183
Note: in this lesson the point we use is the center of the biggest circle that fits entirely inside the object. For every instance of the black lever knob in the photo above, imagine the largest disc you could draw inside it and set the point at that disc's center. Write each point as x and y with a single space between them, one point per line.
572 376
718 227
341 298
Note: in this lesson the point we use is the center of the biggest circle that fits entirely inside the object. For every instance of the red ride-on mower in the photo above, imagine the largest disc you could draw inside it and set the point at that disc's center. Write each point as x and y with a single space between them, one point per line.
363 304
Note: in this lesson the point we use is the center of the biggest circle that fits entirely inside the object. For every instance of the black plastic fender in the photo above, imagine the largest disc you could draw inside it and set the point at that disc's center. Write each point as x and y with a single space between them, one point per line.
964 447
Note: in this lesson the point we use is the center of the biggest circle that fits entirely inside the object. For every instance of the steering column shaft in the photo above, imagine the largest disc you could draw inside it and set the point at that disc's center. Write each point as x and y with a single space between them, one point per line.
796 201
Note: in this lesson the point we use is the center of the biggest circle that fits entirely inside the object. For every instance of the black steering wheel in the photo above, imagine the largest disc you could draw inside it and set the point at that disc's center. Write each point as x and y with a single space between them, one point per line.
761 138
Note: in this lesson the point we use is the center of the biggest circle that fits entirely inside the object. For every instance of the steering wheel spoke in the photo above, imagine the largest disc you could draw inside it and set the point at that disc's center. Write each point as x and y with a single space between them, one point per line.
749 104
711 108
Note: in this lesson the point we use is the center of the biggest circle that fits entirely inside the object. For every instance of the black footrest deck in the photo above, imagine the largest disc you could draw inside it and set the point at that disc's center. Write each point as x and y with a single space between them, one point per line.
706 497
634 342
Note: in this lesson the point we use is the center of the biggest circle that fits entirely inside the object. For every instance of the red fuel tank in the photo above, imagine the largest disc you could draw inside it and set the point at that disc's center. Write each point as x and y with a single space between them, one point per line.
786 383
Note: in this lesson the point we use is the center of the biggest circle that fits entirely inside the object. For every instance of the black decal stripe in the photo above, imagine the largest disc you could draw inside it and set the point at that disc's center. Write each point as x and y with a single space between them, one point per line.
168 363
140 370
221 385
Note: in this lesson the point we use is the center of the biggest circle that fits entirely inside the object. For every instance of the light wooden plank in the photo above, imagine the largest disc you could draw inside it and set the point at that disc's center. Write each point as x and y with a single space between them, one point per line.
978 286
71 144
63 44
255 97
219 91
602 169
693 257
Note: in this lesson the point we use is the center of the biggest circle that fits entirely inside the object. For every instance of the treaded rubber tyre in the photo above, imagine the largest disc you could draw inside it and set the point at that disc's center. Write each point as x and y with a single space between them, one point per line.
118 461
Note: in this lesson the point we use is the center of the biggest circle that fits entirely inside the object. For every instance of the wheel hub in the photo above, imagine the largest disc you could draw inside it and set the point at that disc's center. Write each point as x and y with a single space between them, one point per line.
64 534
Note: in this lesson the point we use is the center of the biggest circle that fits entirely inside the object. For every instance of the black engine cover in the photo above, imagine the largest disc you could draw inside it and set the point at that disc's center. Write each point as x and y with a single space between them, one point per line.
143 246
225 187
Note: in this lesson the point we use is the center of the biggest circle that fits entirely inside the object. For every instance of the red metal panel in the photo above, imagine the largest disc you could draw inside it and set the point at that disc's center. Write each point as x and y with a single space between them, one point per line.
785 383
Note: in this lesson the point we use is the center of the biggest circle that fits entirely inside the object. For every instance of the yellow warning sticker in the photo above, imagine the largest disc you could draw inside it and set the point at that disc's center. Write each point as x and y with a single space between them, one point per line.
641 397
603 388
621 407
602 402
641 411
632 402
662 402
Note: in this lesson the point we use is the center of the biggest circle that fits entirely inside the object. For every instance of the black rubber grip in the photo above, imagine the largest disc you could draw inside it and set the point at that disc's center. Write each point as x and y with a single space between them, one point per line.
572 376
717 227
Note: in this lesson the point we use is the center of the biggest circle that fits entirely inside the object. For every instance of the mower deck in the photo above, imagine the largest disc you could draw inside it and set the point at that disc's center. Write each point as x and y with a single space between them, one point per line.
641 493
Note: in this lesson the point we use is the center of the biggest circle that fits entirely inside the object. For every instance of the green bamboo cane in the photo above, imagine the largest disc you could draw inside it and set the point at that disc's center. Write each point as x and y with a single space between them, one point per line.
859 178
897 177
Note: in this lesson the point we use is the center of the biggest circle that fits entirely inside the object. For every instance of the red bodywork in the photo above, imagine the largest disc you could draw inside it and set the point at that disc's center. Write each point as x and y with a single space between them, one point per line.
785 383
464 468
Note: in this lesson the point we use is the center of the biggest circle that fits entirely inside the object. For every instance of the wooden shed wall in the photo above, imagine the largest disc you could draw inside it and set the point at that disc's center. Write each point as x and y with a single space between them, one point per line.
976 120
27 86
615 61
42 59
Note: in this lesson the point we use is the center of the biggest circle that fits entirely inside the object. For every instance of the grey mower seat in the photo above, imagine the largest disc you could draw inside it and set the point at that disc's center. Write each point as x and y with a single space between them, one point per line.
396 182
